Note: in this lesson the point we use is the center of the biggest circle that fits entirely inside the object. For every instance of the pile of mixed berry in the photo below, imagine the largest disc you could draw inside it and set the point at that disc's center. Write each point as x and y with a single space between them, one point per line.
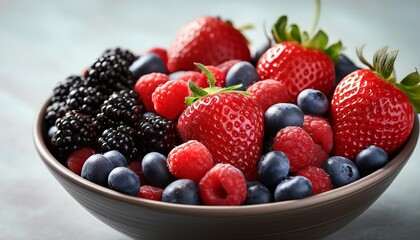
207 122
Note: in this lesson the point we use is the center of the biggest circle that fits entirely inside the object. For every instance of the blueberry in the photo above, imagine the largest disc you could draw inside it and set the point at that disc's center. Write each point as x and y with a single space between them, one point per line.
176 75
96 169
242 73
117 159
313 102
257 193
273 168
146 64
281 115
260 51
344 67
295 187
182 191
154 166
124 180
371 159
341 170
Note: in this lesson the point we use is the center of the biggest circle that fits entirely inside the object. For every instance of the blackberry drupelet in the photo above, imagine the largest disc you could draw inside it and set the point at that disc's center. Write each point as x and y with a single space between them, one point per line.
74 130
110 74
157 134
125 54
85 99
54 111
124 107
121 139
62 90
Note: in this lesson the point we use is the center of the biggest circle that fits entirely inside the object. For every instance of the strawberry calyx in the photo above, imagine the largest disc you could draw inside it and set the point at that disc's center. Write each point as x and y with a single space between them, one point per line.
282 32
198 93
383 67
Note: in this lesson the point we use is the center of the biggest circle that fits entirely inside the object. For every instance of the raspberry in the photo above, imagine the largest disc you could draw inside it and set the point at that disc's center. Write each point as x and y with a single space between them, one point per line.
223 185
136 167
76 159
319 156
225 66
218 75
161 52
146 85
269 92
297 145
169 99
190 160
320 131
150 192
320 180
193 76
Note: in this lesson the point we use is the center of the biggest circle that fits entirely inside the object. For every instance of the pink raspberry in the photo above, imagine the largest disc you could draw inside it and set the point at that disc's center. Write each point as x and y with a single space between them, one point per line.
146 85
320 180
76 160
225 66
297 145
193 76
190 160
269 92
223 185
319 156
150 192
169 99
218 75
320 131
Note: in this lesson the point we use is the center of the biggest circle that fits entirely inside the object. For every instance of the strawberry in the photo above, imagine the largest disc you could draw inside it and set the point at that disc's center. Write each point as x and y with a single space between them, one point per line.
228 122
298 61
369 107
207 40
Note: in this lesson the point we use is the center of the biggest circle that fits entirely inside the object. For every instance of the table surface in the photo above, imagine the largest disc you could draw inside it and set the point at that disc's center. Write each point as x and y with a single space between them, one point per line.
43 42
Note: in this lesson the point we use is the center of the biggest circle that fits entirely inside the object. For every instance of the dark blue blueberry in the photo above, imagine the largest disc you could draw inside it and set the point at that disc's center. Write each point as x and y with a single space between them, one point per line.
260 51
371 159
96 169
268 144
176 75
313 102
182 191
281 115
273 168
344 67
257 194
146 64
154 166
295 187
341 170
124 180
117 159
242 73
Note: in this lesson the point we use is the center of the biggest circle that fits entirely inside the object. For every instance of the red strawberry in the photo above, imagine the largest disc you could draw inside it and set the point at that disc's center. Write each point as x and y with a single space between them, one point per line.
370 108
228 123
146 85
298 61
207 40
268 92
169 99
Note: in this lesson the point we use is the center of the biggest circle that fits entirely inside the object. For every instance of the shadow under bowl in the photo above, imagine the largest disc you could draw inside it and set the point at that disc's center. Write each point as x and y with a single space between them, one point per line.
309 218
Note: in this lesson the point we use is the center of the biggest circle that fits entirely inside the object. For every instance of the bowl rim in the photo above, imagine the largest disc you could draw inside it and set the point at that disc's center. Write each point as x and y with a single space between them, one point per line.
53 164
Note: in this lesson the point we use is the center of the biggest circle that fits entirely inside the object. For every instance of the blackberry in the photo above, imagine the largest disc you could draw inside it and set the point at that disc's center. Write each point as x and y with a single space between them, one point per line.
125 54
54 111
157 134
74 130
61 91
121 139
120 108
85 99
110 74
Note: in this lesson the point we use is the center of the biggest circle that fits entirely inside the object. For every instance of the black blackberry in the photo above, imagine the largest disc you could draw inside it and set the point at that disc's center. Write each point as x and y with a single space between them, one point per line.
125 54
85 99
61 91
54 111
74 130
110 74
120 108
119 138
157 134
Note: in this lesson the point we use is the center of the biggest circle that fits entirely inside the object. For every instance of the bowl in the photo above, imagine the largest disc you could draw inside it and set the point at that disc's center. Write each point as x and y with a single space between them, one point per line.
309 218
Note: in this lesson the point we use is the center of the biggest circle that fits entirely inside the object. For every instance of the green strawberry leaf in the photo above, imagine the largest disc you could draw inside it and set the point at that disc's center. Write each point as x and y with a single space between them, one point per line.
196 90
411 87
319 41
209 75
411 79
334 51
383 62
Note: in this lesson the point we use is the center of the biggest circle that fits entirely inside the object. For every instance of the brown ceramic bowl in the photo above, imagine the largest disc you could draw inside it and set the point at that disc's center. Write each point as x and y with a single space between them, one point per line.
310 218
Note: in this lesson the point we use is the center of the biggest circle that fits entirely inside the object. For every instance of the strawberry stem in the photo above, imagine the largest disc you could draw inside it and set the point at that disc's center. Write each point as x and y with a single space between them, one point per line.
316 17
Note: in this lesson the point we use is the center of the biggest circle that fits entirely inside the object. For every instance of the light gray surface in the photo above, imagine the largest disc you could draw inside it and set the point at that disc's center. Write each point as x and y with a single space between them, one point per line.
42 42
